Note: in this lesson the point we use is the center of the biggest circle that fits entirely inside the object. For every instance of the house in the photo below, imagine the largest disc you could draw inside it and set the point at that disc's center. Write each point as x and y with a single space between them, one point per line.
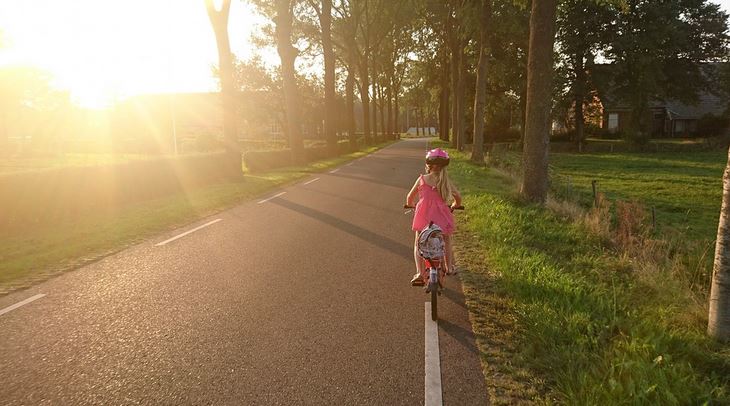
670 118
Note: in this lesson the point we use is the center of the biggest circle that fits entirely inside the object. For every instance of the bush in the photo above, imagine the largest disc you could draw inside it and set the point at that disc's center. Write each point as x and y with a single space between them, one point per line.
637 137
257 161
503 134
711 126
207 142
563 136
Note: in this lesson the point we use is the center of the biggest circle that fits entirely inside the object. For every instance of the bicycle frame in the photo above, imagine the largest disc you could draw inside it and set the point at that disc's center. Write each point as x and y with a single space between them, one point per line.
433 269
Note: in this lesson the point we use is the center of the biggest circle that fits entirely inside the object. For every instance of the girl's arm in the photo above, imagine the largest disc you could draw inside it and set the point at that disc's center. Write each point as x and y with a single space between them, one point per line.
412 194
457 198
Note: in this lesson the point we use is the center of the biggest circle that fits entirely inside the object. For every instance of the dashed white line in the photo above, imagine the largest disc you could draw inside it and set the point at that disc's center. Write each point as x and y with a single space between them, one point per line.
24 302
312 181
187 232
432 381
334 170
349 164
272 197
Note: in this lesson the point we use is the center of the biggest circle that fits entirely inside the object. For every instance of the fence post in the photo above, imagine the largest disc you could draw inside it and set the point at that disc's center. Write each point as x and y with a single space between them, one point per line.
653 218
570 188
595 196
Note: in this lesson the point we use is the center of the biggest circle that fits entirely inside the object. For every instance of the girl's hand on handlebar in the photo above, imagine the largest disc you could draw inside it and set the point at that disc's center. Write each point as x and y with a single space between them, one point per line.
453 207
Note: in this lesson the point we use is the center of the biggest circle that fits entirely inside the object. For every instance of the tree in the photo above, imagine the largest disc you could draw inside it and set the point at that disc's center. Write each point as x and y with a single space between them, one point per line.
283 21
262 95
659 52
324 12
583 30
718 325
477 153
539 101
457 56
219 21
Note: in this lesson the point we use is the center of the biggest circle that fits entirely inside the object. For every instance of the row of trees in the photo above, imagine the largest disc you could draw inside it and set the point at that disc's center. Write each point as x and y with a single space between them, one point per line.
478 62
466 62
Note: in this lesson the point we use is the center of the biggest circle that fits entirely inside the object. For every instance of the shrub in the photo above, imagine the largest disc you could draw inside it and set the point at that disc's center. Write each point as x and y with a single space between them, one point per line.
710 125
636 136
257 161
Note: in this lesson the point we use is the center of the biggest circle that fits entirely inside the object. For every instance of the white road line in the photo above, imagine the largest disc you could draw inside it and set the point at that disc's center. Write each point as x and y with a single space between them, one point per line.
24 302
272 197
334 170
349 164
432 380
187 232
312 181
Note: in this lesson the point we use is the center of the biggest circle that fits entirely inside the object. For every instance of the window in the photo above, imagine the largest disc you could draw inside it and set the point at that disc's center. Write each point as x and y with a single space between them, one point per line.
612 122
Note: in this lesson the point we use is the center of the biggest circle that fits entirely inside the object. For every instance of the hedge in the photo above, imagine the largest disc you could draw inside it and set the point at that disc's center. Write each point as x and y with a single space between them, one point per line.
70 192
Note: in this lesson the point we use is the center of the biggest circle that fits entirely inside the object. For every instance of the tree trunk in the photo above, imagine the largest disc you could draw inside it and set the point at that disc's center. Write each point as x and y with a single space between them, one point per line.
391 130
455 69
422 121
444 103
325 21
396 113
461 96
718 325
219 21
350 100
287 53
382 110
539 86
365 98
523 117
580 85
480 93
374 113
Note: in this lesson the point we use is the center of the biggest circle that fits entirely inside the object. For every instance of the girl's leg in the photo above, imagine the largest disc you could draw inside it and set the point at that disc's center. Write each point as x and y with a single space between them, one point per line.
416 257
449 254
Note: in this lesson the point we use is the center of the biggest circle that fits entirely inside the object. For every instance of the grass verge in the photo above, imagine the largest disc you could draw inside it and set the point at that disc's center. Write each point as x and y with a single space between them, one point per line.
40 252
562 316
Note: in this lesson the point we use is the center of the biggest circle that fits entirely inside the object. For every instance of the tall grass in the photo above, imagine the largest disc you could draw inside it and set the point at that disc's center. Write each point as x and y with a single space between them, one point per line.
598 322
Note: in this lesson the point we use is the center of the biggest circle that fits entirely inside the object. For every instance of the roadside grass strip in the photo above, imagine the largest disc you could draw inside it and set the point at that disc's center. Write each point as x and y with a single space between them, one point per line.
584 324
36 252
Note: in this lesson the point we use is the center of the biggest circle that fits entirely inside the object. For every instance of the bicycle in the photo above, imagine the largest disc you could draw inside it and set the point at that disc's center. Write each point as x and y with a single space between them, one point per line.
431 250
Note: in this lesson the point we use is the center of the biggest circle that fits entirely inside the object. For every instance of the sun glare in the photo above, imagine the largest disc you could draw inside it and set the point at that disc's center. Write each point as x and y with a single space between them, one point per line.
102 51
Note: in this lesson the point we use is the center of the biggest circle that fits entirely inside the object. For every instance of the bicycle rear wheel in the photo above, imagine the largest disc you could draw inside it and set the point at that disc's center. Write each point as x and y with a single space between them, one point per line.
434 301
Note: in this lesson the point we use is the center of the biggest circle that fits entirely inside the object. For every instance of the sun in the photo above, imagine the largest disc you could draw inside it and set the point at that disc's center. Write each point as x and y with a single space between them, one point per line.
105 50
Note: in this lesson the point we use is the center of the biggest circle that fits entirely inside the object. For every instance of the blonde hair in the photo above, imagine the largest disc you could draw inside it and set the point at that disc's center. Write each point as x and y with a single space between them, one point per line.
443 183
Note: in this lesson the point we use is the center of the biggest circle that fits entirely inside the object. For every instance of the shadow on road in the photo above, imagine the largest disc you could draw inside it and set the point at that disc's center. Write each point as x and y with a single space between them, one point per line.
452 293
460 334
378 240
382 181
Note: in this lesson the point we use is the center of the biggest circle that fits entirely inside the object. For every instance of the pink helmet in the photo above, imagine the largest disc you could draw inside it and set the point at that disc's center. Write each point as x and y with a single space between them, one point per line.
437 156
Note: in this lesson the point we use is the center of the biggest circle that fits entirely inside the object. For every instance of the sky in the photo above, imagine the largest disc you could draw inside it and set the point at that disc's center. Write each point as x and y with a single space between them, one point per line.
102 50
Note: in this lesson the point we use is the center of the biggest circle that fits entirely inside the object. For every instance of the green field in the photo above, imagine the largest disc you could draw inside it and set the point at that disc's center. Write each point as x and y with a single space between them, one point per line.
33 254
685 188
562 315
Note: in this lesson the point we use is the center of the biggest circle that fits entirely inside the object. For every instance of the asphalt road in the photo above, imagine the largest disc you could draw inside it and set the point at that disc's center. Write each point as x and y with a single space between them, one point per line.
300 299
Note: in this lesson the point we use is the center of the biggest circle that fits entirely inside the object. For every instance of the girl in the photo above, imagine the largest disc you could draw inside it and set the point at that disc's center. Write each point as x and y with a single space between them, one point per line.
435 191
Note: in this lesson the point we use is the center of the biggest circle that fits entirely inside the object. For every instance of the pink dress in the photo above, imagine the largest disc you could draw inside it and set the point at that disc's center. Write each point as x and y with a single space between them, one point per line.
431 207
